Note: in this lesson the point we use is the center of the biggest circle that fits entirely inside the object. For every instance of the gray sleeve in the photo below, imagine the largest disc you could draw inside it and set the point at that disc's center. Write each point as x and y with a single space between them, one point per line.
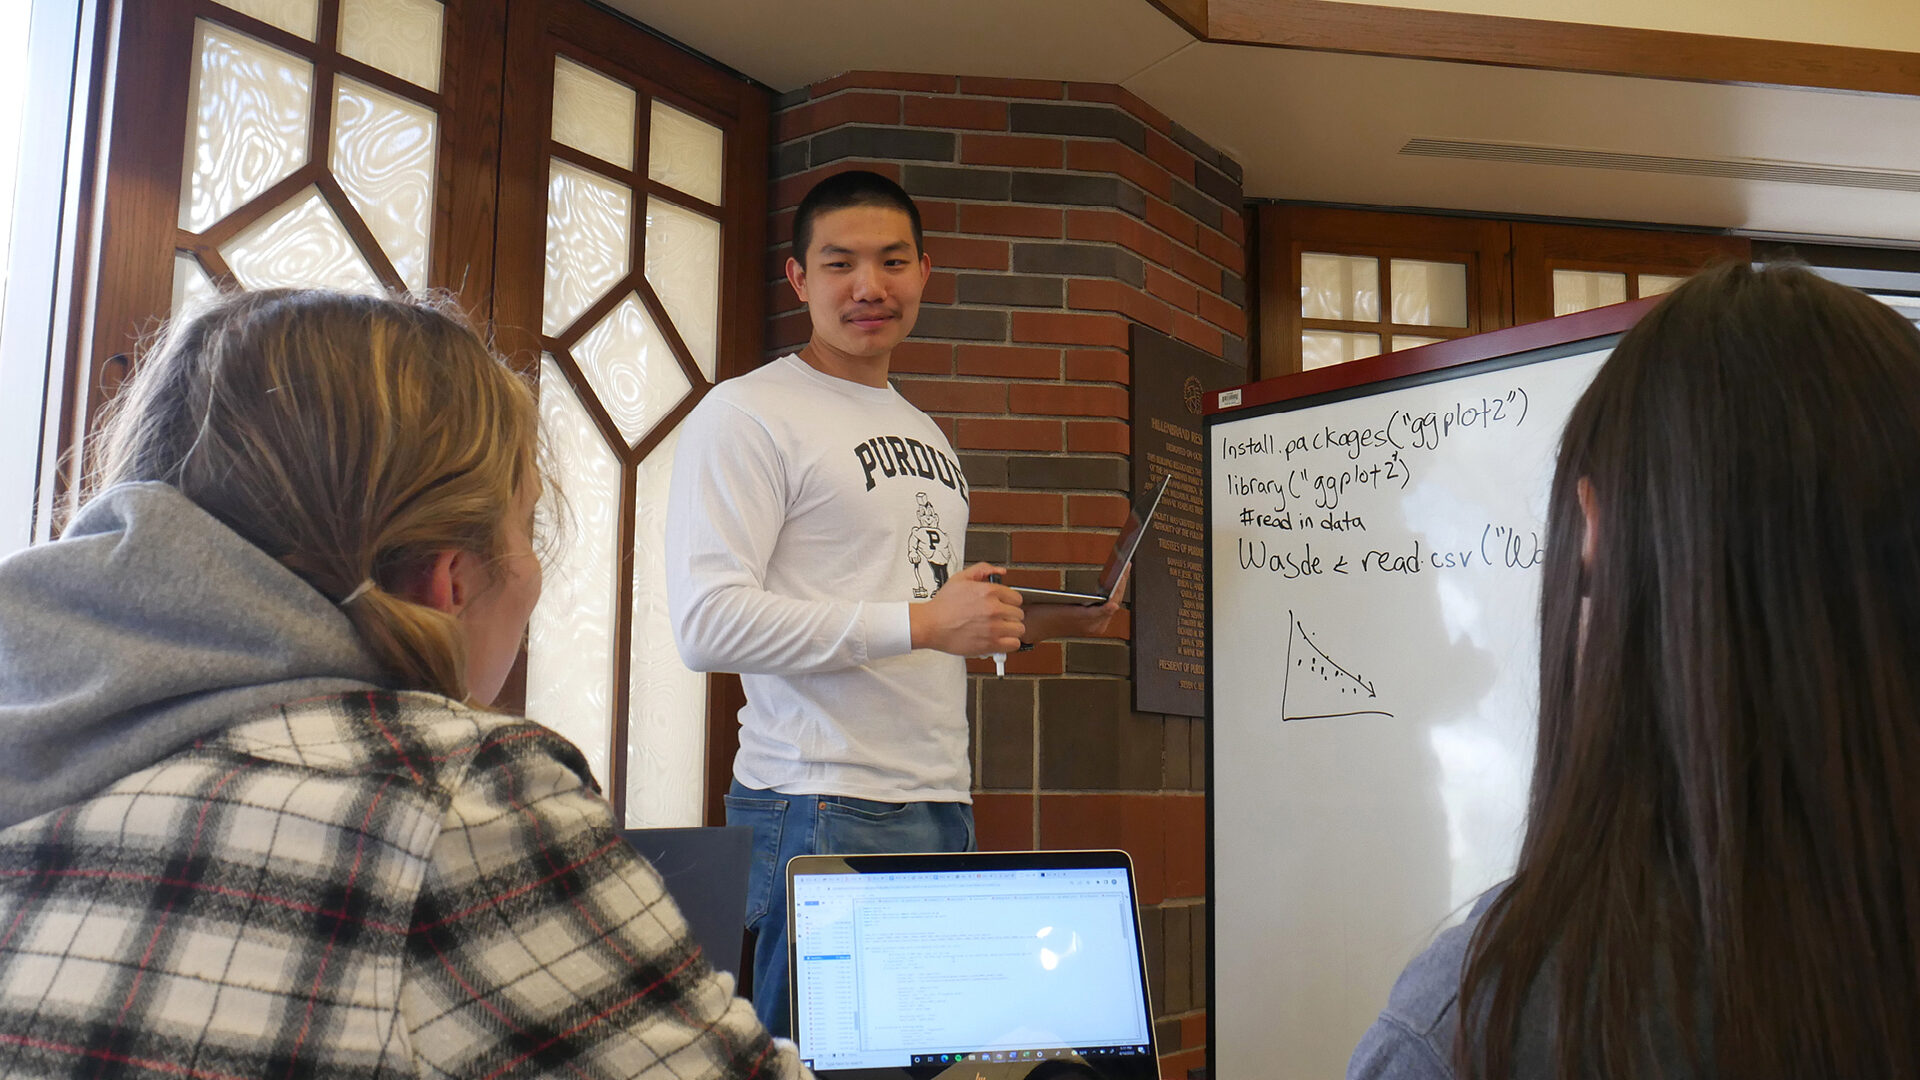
1392 1051
1413 1039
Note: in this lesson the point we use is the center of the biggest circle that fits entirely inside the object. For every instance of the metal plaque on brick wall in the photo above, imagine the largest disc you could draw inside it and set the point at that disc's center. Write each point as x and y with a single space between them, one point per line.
1169 570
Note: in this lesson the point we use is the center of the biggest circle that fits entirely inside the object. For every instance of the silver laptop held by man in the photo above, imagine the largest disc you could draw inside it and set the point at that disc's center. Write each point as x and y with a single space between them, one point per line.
1139 518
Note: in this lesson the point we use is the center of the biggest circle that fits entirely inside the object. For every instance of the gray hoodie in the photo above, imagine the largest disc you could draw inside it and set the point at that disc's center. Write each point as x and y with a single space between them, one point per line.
148 625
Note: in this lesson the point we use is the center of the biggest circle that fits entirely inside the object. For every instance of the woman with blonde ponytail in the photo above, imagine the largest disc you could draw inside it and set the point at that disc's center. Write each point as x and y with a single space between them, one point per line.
257 817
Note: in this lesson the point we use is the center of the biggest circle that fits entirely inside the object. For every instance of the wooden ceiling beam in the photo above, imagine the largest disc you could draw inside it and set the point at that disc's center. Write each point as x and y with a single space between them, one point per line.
1415 34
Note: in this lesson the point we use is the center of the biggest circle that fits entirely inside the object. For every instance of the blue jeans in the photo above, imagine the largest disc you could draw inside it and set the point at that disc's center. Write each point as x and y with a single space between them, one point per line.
788 825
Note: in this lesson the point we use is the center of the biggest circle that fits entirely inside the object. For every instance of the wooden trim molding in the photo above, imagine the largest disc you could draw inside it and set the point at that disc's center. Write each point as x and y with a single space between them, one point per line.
1539 249
1580 326
1190 14
1412 33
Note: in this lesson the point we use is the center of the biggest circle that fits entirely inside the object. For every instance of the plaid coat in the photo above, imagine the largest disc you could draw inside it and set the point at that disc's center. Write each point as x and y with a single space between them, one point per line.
372 885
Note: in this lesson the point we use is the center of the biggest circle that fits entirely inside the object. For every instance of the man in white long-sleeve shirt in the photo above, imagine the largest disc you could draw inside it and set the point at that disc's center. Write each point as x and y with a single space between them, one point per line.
811 505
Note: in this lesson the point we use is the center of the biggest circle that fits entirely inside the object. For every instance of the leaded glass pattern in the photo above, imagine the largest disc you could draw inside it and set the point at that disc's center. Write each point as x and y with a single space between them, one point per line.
300 244
628 362
589 241
400 37
633 372
299 17
191 284
592 112
383 156
683 266
570 669
247 125
685 152
666 728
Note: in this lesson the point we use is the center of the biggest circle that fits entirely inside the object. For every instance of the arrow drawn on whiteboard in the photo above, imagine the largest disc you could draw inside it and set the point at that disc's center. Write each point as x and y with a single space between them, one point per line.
1315 686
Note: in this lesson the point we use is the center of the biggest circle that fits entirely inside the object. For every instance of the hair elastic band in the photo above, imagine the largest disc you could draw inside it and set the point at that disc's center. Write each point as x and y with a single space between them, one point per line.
358 591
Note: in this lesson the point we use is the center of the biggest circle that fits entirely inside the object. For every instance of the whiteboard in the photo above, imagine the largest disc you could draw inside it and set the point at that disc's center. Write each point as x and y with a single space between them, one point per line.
1373 595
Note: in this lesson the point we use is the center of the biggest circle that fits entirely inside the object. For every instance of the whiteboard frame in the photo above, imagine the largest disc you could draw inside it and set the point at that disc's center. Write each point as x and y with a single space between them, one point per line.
1360 378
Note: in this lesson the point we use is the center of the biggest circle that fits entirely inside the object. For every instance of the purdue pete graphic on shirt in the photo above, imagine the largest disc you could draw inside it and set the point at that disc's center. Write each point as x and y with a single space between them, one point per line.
806 490
893 456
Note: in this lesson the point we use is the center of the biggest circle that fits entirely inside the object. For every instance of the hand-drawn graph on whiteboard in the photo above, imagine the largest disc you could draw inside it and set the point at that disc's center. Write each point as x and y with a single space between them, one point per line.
1317 687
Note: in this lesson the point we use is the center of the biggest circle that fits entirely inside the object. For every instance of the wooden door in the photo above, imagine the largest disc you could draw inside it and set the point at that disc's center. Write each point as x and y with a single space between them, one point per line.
632 236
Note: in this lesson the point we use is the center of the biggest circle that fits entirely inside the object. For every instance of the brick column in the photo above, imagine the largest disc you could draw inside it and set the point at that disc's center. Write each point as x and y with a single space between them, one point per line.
1057 214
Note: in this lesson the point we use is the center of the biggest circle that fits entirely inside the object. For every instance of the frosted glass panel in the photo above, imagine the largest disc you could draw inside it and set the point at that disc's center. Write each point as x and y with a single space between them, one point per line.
294 16
1409 341
400 37
1578 290
683 266
247 129
1659 284
589 241
685 152
632 370
1429 293
383 156
667 704
592 112
300 244
570 669
190 283
1325 348
1339 287
1907 306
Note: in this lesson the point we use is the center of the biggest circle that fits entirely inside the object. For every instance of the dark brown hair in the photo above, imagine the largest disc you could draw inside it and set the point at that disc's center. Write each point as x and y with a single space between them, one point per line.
350 437
855 187
1721 867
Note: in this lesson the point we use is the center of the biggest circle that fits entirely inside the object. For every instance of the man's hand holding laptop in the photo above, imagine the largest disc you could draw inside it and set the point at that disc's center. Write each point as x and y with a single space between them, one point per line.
1046 621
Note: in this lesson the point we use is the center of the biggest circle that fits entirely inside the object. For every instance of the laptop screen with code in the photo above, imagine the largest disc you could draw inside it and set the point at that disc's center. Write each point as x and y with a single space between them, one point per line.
1009 964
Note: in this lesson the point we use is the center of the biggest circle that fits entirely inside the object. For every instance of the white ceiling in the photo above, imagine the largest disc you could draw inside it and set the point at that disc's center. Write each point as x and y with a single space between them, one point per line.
1328 127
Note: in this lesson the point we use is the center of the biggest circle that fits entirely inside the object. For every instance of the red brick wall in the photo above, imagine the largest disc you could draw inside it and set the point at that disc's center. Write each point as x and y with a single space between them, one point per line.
1057 214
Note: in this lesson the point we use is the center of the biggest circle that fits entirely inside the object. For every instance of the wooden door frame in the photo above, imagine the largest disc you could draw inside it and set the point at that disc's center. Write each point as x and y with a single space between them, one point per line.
68 43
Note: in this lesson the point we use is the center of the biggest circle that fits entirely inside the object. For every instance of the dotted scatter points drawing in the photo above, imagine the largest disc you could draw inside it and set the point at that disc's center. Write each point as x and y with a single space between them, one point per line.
1316 687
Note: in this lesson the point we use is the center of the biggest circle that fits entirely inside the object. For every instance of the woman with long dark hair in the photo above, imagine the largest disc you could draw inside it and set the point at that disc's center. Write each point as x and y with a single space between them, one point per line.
1721 869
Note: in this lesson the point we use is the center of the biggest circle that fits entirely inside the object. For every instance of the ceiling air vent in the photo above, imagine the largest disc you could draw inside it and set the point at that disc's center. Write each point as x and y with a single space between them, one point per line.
1779 172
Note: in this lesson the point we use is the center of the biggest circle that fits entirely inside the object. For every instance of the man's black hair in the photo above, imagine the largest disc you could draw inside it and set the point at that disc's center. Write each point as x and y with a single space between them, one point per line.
857 187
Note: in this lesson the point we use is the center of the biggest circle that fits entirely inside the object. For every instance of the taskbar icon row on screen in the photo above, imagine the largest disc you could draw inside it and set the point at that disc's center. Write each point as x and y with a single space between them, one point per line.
1032 1055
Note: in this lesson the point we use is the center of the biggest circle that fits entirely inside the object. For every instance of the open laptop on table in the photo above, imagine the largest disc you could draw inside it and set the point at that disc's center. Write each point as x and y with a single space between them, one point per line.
1138 519
980 966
